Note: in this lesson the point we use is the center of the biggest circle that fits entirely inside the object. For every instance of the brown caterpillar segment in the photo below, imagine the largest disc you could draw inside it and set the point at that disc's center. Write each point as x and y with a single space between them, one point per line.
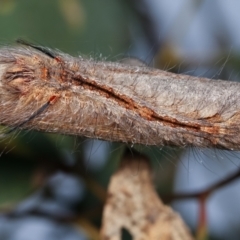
115 102
23 84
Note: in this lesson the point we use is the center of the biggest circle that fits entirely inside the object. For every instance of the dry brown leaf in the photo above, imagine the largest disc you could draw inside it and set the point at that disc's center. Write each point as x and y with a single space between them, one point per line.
134 205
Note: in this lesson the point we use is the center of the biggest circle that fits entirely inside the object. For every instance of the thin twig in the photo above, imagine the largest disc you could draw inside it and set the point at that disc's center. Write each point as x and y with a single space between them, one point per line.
205 192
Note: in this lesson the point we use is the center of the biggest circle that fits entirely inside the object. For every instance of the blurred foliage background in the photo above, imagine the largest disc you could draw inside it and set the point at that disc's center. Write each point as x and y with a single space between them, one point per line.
52 186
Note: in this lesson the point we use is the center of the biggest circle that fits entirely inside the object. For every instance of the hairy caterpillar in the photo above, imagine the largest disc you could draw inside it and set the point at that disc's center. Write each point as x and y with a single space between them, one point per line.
50 91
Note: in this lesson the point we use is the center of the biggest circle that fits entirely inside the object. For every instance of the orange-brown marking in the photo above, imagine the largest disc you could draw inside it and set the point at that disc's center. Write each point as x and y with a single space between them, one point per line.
53 99
143 111
44 73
